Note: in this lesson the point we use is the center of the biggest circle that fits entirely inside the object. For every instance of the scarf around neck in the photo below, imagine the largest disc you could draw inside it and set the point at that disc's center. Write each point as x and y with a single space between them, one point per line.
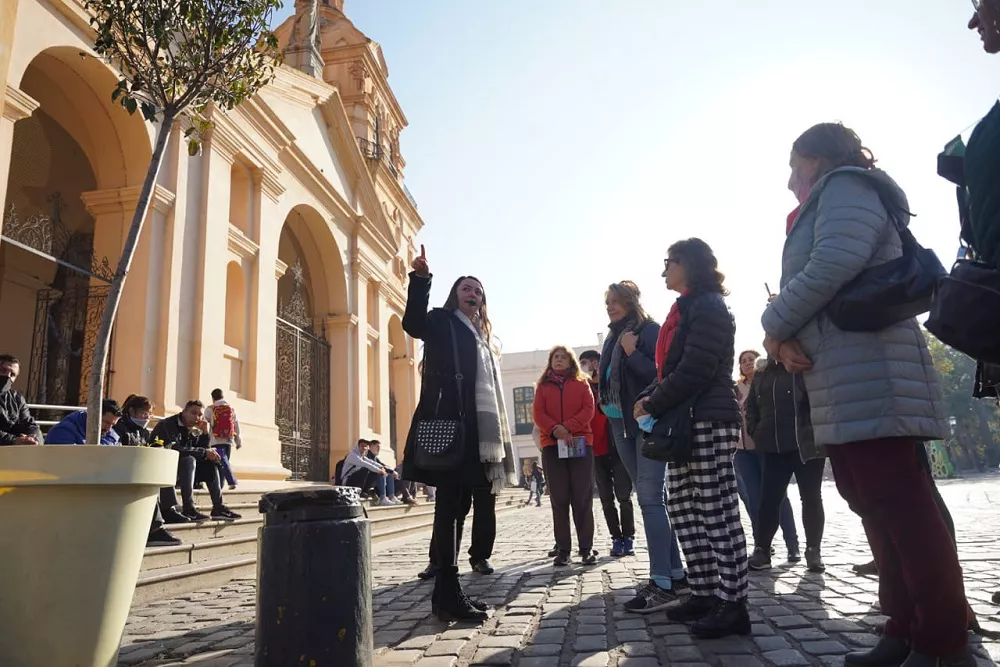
610 388
496 450
556 377
666 336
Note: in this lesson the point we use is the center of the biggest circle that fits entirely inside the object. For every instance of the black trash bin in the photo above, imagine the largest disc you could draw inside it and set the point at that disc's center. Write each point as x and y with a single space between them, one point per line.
314 586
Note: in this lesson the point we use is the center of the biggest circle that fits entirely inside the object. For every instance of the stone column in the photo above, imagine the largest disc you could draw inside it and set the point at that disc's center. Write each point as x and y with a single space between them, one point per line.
138 324
342 332
15 106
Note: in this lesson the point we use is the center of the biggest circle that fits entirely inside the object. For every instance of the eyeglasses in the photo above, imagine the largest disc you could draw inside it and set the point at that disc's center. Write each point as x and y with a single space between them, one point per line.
667 262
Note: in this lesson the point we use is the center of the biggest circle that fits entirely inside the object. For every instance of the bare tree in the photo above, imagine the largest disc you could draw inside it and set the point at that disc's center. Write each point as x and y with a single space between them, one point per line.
176 58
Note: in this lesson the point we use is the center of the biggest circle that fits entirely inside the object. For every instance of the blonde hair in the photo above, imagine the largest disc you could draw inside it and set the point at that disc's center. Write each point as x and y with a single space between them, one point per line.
574 364
627 293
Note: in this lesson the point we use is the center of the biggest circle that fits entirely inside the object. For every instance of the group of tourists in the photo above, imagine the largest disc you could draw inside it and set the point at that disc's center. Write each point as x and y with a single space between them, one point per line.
867 400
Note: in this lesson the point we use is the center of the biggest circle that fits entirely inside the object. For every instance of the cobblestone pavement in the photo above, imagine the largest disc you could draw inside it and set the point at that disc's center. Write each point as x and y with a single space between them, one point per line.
572 617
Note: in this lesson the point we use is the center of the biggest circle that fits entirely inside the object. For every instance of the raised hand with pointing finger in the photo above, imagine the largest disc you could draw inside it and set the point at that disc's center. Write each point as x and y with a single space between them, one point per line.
420 263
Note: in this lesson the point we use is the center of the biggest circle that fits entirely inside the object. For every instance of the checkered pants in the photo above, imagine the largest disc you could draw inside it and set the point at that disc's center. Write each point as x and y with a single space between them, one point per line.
704 512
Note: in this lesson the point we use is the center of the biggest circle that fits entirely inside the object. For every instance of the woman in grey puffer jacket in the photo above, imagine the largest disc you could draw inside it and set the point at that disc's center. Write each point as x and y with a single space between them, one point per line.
873 397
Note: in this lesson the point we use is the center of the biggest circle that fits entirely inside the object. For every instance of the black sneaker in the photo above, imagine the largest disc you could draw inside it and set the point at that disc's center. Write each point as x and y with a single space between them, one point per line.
794 556
553 552
589 558
651 598
225 514
161 537
481 566
760 559
727 618
681 587
695 608
814 560
428 572
561 559
193 514
173 515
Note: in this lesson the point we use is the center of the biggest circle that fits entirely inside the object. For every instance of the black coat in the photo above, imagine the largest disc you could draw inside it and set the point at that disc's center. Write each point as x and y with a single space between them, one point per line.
132 435
438 390
637 371
700 361
770 409
175 435
15 418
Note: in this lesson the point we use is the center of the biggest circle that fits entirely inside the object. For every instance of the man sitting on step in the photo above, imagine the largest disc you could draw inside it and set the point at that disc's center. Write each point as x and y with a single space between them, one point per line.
188 433
359 470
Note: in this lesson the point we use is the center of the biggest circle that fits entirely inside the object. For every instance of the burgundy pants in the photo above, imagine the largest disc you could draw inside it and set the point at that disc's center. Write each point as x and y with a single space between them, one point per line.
920 581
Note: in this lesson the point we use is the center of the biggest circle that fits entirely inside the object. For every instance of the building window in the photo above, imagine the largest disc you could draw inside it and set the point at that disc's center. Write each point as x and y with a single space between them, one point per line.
524 420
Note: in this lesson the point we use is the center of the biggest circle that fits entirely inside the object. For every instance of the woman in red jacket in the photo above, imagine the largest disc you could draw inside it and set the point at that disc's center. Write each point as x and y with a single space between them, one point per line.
563 409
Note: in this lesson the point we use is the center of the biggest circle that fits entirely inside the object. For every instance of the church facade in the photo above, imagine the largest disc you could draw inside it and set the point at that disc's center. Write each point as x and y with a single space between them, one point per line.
272 265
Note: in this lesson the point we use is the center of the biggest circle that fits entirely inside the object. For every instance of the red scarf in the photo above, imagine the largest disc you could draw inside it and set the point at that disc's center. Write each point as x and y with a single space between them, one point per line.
556 377
667 331
791 219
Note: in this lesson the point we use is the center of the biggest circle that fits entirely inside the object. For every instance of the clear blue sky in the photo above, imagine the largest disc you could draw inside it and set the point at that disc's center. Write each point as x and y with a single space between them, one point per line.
556 146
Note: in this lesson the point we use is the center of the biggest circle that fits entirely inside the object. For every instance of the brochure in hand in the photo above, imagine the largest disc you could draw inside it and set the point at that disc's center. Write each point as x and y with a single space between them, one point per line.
574 449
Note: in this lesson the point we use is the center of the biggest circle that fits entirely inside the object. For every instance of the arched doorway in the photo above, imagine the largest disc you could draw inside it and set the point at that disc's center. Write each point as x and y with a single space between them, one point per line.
311 289
55 267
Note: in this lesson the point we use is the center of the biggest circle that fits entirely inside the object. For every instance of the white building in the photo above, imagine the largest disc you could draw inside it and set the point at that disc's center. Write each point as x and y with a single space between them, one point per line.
520 371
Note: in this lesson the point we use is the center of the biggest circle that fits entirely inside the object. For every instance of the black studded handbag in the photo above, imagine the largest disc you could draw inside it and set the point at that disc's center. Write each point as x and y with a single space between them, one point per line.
439 443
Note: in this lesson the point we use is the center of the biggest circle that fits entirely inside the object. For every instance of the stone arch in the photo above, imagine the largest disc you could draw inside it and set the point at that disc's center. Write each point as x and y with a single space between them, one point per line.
74 159
312 411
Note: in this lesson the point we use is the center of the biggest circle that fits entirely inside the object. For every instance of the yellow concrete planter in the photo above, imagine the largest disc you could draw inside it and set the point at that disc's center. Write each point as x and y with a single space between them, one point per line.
73 526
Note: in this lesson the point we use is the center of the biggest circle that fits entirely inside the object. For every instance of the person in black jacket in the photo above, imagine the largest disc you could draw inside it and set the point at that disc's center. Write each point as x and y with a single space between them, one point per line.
694 360
132 431
462 328
189 434
771 423
17 427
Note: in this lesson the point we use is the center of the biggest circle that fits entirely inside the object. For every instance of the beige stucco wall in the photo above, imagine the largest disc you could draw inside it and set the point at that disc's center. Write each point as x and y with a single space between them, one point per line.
307 178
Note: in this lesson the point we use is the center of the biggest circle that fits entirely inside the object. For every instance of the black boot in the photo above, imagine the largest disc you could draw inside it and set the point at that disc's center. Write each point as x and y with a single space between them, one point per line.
962 659
727 618
869 569
449 602
428 572
814 560
888 652
695 608
481 606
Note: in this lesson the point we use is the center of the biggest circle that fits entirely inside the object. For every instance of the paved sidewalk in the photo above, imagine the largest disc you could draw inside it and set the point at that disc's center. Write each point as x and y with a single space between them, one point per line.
572 617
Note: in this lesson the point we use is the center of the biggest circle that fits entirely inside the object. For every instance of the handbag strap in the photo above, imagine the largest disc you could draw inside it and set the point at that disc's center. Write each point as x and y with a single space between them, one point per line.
458 372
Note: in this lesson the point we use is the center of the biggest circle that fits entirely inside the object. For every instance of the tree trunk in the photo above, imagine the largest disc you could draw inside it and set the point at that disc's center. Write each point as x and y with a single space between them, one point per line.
96 385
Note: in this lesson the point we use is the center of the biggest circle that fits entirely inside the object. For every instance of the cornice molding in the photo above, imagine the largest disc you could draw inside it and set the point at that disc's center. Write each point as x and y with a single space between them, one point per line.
240 245
279 269
373 333
231 140
17 104
124 200
348 321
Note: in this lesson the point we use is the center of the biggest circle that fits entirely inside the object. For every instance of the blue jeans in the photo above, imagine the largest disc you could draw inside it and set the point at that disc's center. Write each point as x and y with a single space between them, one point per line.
225 450
746 463
650 479
385 485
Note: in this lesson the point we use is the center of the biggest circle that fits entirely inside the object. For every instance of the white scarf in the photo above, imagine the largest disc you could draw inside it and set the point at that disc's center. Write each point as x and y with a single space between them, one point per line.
495 444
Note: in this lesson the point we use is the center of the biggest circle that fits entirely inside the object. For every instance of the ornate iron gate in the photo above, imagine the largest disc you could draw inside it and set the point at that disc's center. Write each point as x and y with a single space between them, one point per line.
302 391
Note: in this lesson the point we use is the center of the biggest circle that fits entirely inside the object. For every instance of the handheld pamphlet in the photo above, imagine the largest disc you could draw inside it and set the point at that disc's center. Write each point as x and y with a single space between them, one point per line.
574 449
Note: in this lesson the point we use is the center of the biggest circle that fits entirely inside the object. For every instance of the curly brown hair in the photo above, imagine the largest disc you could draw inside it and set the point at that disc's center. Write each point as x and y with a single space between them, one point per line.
701 268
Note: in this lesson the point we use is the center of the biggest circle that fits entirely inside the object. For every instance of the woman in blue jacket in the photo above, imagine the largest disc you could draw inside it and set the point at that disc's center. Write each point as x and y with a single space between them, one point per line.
627 368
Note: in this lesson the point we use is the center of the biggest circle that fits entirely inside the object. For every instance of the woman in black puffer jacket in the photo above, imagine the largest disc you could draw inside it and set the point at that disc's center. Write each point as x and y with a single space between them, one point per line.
694 358
772 410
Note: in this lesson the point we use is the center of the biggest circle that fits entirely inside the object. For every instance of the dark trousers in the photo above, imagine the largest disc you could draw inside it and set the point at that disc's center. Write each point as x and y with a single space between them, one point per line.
157 521
571 485
188 468
225 450
777 470
484 524
451 506
920 581
613 482
363 479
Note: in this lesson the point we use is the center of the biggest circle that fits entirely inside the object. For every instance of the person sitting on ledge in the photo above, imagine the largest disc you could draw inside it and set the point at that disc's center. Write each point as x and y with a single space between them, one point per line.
17 427
188 433
359 470
72 430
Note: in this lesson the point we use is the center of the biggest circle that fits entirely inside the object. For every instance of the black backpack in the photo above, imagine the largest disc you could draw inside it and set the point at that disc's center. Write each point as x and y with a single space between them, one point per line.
337 470
965 312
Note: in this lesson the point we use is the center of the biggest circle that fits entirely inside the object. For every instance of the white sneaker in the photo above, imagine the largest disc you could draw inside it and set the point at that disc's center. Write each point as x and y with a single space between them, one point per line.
395 500
385 502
